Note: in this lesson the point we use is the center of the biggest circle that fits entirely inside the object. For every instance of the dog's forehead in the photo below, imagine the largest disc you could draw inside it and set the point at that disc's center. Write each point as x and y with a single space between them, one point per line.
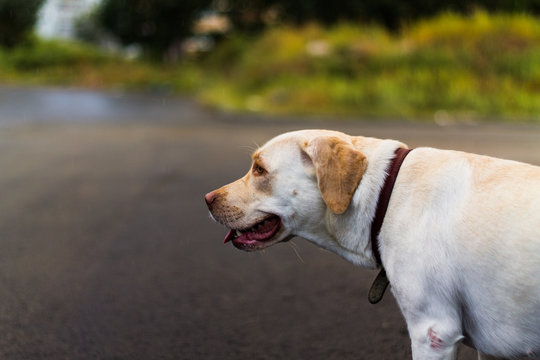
294 139
279 141
299 137
279 149
275 149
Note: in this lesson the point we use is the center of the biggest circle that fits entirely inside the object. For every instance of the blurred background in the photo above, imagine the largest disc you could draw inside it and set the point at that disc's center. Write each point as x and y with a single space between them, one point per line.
117 116
441 61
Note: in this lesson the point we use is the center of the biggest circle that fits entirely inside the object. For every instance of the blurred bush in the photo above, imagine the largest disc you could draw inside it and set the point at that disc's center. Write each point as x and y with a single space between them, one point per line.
40 61
39 54
468 66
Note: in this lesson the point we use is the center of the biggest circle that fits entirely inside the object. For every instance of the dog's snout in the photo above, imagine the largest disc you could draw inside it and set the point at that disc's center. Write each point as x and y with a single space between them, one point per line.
210 198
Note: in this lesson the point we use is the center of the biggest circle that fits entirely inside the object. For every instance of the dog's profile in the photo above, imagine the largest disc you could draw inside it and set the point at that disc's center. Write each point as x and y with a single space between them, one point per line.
460 239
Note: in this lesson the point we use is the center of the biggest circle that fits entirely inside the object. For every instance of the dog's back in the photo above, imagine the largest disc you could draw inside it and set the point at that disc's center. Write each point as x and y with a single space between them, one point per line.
503 256
481 217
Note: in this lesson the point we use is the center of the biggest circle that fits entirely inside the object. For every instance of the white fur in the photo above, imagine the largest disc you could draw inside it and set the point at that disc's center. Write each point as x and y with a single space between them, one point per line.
460 241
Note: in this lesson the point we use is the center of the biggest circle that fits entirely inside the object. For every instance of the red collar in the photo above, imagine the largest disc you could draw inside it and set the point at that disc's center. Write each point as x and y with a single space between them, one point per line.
384 199
381 282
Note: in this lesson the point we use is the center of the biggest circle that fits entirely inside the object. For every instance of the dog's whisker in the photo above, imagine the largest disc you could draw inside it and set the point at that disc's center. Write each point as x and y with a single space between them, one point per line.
295 249
250 148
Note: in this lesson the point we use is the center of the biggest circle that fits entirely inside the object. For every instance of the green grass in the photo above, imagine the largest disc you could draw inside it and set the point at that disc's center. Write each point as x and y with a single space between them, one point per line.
483 66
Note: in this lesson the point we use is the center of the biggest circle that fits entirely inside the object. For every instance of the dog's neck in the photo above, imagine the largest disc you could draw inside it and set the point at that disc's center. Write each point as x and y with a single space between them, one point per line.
384 199
351 231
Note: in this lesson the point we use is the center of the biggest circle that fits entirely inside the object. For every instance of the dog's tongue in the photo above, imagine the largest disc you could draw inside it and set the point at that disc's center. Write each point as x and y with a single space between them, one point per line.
229 236
260 231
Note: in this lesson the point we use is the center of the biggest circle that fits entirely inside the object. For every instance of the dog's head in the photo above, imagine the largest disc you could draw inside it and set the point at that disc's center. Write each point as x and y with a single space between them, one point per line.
294 181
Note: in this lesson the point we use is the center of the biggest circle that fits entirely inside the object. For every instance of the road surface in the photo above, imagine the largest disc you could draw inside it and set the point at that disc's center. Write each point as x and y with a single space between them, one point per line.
107 251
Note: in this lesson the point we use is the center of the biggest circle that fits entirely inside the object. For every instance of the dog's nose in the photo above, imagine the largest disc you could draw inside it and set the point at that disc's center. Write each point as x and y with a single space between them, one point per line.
209 198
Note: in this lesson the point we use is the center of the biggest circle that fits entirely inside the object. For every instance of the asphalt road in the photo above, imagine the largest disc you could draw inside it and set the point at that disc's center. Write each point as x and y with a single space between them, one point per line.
107 251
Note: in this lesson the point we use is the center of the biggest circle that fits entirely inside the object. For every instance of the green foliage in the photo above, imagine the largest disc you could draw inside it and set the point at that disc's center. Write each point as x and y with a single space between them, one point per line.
39 54
466 66
154 24
17 18
55 62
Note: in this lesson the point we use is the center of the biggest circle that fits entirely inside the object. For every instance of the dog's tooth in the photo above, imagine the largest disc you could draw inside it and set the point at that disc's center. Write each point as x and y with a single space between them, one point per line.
238 233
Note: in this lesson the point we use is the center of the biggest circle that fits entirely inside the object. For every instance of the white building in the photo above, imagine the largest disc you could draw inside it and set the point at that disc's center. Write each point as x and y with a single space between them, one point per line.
57 18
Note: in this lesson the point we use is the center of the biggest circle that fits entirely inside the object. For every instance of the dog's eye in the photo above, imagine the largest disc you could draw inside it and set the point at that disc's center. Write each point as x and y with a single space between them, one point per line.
258 169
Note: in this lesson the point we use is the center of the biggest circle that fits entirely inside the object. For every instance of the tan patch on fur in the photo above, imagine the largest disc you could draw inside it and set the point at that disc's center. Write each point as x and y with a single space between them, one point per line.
223 210
256 156
228 214
339 167
261 182
221 193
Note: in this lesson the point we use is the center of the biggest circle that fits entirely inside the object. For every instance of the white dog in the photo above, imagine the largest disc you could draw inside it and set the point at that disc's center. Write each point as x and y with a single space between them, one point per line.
460 241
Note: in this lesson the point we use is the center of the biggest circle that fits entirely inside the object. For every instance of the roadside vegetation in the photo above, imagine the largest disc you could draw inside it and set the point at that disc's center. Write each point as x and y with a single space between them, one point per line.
447 67
53 62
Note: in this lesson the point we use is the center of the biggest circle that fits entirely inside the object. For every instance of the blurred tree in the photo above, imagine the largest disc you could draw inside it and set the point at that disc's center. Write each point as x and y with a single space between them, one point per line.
255 14
159 25
393 14
156 25
87 29
17 19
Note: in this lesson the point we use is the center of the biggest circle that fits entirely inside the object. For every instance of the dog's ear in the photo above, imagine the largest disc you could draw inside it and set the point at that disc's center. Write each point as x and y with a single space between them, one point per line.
339 168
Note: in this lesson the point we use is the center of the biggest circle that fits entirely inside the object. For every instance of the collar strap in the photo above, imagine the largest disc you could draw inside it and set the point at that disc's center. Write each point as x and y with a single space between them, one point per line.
384 199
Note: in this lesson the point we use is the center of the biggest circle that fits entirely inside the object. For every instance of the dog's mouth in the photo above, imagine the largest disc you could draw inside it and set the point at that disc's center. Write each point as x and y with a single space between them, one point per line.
253 237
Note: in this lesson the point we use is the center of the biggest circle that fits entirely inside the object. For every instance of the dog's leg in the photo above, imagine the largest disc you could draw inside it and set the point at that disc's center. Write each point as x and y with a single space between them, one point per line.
434 322
436 340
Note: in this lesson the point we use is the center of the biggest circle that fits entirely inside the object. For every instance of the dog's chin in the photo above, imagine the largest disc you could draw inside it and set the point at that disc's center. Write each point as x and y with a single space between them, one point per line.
259 245
260 235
